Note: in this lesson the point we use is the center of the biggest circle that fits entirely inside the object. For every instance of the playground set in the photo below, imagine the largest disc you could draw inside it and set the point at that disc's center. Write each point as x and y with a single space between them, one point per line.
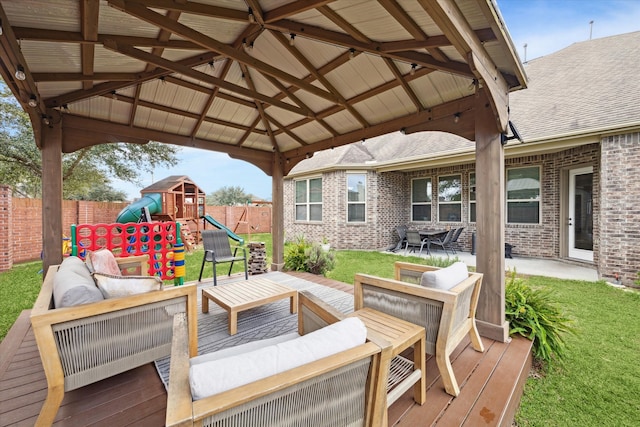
158 224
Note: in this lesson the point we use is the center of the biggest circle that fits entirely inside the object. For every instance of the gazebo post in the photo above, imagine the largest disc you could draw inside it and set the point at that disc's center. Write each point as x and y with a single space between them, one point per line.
51 151
277 212
490 222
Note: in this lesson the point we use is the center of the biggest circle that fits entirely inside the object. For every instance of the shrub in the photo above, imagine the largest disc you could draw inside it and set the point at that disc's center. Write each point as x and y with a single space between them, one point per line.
294 256
533 313
302 255
319 261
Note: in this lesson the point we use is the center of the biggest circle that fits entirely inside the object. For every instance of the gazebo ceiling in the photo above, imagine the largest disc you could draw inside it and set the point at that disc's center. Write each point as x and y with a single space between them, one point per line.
253 78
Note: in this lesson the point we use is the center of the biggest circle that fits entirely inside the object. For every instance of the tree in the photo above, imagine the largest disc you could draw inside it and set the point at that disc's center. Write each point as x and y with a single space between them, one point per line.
86 172
229 196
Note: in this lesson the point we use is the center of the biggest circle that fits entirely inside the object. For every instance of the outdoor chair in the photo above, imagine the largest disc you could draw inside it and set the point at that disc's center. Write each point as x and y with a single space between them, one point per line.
454 239
444 241
340 386
401 230
443 300
217 250
414 241
81 342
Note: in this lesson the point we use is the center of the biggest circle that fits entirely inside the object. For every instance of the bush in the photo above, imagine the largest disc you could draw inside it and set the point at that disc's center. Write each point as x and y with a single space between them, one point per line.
534 314
294 255
319 261
302 255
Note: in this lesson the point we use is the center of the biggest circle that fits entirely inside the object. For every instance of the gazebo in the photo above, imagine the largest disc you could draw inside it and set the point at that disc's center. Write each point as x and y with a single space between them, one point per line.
269 82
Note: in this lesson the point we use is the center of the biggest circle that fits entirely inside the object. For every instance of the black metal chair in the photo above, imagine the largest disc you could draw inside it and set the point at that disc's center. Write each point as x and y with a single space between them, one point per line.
454 239
402 235
217 250
414 241
444 241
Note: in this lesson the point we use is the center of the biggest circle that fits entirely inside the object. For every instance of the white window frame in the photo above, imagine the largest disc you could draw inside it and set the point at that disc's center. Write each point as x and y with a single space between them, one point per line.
307 203
538 200
452 202
430 195
358 202
472 190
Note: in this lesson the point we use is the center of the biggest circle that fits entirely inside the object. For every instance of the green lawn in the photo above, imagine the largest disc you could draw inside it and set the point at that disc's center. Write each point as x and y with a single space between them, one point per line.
598 385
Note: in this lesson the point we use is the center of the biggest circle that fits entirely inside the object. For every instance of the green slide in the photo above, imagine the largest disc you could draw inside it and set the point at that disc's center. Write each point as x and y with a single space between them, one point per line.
221 226
152 201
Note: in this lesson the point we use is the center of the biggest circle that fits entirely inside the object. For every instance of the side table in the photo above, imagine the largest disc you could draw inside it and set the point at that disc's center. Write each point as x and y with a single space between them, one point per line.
402 335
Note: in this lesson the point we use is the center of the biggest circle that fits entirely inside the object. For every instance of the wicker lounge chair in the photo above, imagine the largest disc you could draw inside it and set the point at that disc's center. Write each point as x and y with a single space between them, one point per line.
217 250
447 315
346 388
86 343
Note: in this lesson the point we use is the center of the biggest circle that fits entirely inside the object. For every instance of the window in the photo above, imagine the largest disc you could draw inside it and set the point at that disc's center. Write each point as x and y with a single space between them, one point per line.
472 197
356 186
523 195
421 199
450 198
309 199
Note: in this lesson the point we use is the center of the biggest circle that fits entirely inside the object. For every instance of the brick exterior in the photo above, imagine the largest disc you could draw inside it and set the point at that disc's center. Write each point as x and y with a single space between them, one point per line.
616 206
21 222
620 208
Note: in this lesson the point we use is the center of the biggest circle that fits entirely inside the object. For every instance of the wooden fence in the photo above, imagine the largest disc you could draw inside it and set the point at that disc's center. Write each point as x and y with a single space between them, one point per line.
21 222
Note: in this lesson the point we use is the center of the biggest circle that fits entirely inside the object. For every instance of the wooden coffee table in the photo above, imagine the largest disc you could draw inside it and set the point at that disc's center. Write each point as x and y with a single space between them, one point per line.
240 296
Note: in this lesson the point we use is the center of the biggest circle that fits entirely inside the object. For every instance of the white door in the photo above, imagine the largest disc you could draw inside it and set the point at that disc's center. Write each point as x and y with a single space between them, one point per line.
581 213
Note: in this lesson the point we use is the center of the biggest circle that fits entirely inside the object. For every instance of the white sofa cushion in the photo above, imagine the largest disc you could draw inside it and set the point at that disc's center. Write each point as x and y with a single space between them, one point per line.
73 285
242 348
445 278
216 376
123 286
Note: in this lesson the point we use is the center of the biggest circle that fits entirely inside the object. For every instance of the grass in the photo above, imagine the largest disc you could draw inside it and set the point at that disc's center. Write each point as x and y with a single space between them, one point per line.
19 289
598 383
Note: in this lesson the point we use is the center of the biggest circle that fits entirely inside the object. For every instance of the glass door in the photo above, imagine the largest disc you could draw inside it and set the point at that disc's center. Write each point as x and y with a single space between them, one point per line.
581 213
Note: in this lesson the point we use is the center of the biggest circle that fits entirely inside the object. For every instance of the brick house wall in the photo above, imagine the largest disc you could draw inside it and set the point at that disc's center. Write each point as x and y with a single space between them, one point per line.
620 208
616 220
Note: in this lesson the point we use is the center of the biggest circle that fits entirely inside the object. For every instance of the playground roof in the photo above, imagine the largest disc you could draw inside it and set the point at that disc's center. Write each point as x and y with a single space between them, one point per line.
170 183
257 79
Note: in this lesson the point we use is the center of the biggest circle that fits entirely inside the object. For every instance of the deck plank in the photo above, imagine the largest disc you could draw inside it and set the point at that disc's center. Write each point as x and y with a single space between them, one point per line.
491 384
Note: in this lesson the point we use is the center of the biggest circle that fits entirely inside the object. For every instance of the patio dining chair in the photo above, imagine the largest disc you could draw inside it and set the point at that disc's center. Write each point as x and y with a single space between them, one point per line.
414 241
217 250
444 241
454 239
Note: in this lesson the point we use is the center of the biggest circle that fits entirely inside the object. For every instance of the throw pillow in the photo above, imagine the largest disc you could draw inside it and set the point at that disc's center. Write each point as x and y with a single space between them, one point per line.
72 284
102 261
121 286
445 278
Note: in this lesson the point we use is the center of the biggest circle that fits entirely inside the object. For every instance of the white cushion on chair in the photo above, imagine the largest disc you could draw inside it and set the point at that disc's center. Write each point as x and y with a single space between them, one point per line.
242 348
73 285
217 376
445 278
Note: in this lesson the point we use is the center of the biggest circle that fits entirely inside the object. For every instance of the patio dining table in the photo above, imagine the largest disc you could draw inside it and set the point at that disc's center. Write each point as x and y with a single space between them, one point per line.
432 233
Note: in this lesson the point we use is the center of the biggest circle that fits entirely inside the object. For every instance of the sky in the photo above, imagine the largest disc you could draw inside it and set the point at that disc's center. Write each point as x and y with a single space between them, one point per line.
545 26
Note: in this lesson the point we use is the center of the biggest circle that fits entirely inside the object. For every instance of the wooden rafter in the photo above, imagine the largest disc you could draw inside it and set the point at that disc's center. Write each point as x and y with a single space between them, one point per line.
147 15
450 19
412 28
89 11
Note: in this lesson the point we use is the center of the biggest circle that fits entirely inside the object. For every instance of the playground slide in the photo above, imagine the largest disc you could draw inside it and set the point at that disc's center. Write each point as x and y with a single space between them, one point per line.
132 213
216 224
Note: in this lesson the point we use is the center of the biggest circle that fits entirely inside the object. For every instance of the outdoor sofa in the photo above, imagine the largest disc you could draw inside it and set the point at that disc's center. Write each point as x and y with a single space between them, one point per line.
444 301
347 388
82 342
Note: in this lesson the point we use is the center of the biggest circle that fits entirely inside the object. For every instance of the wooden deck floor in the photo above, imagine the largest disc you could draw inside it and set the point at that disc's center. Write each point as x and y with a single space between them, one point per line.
491 387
